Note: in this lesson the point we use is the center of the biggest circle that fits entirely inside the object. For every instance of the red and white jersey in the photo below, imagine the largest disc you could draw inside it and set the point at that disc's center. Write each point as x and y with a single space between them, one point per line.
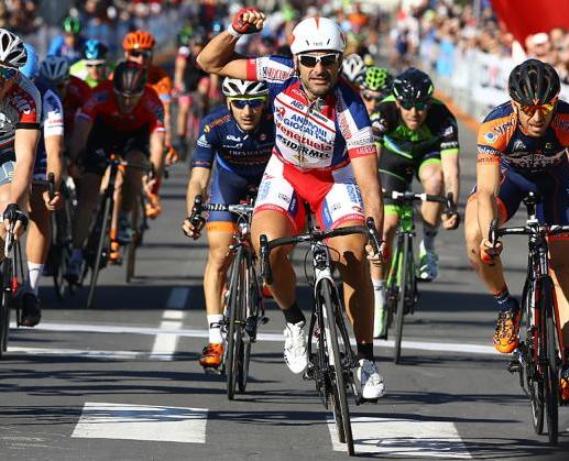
323 134
20 108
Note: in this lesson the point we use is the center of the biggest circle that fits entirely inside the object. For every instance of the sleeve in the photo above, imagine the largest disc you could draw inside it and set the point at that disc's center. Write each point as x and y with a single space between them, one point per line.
52 115
29 108
156 113
164 89
493 137
270 69
204 153
355 125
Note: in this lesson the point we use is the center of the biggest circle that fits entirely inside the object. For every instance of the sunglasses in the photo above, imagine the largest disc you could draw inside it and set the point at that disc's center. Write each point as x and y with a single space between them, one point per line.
95 66
138 54
546 109
128 96
419 105
372 97
310 60
253 103
7 73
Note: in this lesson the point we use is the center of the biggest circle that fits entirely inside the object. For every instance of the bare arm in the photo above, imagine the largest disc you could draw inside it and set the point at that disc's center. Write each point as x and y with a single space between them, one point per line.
81 132
179 70
54 150
218 57
157 151
199 180
488 185
25 144
365 172
451 173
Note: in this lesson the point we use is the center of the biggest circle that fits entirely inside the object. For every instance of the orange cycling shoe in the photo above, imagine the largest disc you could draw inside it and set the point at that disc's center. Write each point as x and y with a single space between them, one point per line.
153 206
115 256
507 327
212 355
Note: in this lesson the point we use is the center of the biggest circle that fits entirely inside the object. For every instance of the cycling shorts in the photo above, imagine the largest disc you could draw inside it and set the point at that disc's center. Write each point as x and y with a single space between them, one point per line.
104 142
227 188
396 171
333 195
550 184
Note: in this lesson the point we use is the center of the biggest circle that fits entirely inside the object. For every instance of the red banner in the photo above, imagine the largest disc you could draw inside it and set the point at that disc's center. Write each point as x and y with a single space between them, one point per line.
525 17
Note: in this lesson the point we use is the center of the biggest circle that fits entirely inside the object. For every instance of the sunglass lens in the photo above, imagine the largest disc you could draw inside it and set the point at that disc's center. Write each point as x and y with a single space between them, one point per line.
328 59
308 61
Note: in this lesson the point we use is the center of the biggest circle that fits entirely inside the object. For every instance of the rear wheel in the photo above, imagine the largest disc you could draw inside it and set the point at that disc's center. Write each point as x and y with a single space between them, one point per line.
331 308
102 249
402 276
6 305
235 335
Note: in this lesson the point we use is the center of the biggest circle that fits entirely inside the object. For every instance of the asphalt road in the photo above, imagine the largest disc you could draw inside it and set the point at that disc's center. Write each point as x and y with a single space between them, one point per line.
122 382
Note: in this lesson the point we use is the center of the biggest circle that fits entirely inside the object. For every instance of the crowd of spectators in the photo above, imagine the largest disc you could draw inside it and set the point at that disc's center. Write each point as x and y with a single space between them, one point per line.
20 16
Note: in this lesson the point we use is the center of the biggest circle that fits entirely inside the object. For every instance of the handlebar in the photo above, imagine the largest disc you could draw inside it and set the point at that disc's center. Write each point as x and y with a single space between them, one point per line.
313 236
409 197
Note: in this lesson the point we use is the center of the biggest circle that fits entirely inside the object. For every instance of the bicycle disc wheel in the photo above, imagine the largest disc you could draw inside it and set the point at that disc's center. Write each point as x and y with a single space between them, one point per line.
402 282
551 369
102 245
234 335
340 399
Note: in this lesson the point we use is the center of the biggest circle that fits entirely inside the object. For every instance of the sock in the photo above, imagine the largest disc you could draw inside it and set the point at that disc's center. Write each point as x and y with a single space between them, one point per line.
505 300
34 273
294 315
429 235
378 284
365 351
214 323
77 254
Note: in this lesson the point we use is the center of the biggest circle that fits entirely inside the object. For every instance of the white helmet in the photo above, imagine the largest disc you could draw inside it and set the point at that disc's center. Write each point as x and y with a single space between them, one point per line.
313 34
353 67
12 51
55 69
234 87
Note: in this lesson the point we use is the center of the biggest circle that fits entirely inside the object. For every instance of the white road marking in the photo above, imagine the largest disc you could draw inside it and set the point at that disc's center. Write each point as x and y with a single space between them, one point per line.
403 437
141 422
92 354
476 349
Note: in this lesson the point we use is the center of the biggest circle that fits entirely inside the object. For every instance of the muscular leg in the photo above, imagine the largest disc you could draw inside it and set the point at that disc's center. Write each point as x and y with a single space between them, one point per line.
218 260
39 232
182 119
431 177
559 270
87 204
274 225
390 222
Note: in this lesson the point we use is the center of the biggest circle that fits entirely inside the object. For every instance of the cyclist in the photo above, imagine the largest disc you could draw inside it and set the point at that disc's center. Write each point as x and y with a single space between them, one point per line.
354 68
70 43
124 116
324 155
375 86
49 158
239 139
522 147
138 48
20 108
72 91
92 69
189 78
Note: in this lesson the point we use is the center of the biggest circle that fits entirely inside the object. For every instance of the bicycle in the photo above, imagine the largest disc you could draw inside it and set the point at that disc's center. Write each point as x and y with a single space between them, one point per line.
331 365
244 309
537 357
61 245
139 227
401 291
12 282
97 249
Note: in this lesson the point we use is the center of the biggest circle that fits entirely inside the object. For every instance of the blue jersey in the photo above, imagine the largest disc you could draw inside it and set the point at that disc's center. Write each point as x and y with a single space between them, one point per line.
224 143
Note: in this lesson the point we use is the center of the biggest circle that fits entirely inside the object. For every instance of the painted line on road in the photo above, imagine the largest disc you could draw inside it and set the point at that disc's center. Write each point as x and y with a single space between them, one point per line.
83 353
403 437
141 422
476 349
165 343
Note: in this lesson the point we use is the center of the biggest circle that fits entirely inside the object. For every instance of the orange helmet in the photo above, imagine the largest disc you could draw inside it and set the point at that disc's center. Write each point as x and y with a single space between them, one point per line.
138 40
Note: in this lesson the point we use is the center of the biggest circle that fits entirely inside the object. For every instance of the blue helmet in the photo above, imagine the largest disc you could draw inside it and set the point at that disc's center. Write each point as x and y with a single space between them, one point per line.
94 50
31 68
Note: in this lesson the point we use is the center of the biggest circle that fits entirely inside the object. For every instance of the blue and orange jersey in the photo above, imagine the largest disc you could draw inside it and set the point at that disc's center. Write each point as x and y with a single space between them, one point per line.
501 140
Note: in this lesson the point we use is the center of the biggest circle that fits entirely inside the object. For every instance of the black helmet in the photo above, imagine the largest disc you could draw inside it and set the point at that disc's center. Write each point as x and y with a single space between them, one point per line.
533 83
413 85
129 78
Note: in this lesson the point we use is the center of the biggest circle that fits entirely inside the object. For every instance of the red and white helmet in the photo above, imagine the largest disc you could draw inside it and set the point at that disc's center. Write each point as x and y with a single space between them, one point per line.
317 34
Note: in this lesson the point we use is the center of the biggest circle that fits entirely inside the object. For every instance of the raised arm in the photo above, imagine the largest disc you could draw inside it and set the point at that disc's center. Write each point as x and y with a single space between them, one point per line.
218 56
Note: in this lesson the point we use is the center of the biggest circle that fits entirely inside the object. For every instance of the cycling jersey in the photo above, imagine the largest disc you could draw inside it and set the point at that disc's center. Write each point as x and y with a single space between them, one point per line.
20 108
528 163
51 125
77 92
232 149
79 70
193 75
323 134
161 82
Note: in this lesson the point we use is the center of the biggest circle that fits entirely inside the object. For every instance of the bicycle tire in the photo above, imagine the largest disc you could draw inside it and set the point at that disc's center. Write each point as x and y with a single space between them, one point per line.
5 307
133 244
103 237
551 371
234 335
340 398
254 297
400 313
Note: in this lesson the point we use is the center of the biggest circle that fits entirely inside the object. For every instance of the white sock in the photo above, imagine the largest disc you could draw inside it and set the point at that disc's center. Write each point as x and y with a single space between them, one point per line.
429 236
34 273
378 284
214 324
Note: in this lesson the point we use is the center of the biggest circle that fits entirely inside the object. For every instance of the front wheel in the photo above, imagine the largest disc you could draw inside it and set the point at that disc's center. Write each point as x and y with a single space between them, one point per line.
403 280
6 304
103 246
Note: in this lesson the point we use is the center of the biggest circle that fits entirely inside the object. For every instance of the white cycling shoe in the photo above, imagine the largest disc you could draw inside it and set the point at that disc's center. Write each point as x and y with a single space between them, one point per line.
428 269
369 380
295 347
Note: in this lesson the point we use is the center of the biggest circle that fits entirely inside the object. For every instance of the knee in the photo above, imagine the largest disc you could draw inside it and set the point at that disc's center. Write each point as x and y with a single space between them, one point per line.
433 183
217 258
